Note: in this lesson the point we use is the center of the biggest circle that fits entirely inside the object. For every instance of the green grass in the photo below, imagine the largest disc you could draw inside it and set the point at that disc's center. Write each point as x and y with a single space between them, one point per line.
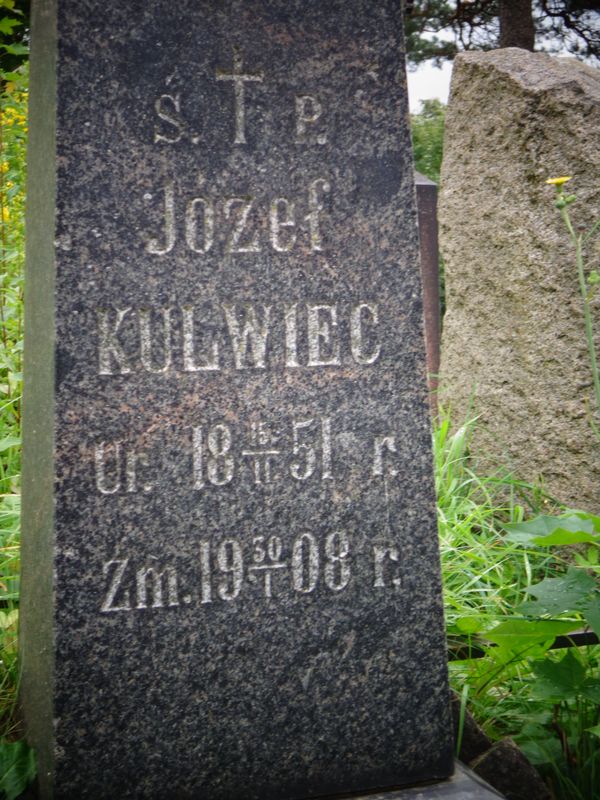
16 761
549 702
483 573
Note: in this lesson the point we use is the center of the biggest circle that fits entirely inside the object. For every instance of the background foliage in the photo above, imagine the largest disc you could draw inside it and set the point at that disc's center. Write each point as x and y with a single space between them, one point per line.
428 138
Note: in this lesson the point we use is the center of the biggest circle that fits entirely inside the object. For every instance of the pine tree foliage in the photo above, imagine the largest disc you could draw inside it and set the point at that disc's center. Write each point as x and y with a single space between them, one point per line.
438 29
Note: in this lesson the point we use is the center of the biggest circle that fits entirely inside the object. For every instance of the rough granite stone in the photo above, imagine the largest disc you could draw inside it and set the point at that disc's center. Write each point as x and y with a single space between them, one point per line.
512 772
230 572
513 343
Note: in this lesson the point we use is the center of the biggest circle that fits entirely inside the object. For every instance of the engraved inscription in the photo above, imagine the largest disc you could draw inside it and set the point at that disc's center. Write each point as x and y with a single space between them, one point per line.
221 228
229 569
117 469
381 446
171 125
238 223
168 238
168 110
265 454
308 114
385 560
162 341
239 78
148 586
257 453
238 209
249 568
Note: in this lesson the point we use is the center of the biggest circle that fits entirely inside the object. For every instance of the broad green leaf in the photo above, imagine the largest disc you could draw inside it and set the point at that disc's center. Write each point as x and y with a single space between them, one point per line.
470 624
17 768
542 750
15 49
559 680
592 614
593 518
7 24
560 538
519 634
546 530
591 690
595 730
570 592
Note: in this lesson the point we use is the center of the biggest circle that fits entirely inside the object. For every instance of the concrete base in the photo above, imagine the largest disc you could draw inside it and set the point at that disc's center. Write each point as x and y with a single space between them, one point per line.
463 785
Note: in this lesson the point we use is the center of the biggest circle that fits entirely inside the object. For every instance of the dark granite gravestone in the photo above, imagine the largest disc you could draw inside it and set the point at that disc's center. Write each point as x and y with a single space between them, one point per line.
230 570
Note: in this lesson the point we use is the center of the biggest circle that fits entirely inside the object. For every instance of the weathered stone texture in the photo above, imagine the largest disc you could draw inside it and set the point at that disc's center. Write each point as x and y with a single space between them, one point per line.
228 477
513 342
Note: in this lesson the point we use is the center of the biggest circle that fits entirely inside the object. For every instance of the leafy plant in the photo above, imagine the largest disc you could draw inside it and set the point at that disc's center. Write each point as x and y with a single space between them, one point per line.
565 740
17 768
512 591
16 759
427 129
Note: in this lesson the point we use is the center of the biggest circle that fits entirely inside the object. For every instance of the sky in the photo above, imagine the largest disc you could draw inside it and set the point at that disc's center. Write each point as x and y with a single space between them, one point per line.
428 82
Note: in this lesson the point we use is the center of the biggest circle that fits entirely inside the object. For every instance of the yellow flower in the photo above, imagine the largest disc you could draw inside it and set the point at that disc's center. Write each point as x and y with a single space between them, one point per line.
559 181
5 214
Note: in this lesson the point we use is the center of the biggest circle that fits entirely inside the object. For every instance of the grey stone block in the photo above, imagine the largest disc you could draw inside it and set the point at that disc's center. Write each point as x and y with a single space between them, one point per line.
514 350
230 571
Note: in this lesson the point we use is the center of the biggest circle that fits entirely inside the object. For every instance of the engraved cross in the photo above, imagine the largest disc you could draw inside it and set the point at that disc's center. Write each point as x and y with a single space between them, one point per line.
239 78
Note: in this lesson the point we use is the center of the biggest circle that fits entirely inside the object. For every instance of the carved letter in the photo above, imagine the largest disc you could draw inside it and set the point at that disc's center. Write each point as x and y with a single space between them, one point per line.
315 206
142 576
251 335
109 347
153 245
131 464
208 227
356 334
381 555
321 334
233 243
114 587
189 361
146 341
291 336
100 474
308 110
383 443
175 102
286 220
